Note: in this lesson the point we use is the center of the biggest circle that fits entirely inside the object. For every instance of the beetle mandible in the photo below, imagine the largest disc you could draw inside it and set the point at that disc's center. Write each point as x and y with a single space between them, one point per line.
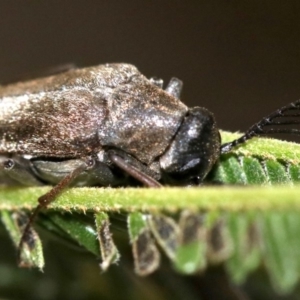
110 126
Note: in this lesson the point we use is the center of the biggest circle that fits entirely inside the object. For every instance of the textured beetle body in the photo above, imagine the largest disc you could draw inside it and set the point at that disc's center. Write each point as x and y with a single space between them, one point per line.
110 126
78 112
85 112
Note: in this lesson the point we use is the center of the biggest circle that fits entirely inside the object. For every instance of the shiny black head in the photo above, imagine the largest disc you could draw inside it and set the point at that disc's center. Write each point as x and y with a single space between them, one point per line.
193 151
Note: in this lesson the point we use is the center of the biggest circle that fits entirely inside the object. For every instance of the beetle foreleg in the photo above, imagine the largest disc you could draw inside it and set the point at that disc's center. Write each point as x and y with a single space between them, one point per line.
132 170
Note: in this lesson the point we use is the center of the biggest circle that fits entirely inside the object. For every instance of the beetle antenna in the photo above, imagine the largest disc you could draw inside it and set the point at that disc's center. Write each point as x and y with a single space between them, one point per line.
286 115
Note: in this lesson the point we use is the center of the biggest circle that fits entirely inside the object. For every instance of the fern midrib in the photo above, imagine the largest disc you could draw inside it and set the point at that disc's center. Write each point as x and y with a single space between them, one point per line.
231 198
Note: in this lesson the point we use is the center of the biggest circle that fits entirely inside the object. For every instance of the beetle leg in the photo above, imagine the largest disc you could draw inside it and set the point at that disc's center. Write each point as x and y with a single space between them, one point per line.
174 87
157 81
20 172
132 170
49 197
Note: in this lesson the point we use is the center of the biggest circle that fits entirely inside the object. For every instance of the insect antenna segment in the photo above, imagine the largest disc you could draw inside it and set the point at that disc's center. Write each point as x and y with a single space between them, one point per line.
286 115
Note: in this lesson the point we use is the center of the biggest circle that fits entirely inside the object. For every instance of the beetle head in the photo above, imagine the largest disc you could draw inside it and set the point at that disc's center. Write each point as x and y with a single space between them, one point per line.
194 149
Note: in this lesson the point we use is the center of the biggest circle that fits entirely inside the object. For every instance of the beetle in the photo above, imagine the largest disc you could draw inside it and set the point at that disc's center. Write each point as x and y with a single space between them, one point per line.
109 125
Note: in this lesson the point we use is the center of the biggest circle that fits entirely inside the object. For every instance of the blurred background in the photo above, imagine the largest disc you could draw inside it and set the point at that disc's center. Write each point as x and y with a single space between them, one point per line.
240 59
